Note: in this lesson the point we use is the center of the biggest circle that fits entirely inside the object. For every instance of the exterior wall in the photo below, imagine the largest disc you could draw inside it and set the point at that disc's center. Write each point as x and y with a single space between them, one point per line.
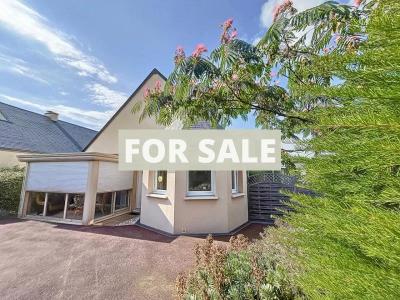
177 213
237 204
9 159
206 215
218 214
158 211
107 141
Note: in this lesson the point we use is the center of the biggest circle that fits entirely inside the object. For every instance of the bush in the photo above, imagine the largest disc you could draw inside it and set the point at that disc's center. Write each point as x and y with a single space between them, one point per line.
241 270
10 188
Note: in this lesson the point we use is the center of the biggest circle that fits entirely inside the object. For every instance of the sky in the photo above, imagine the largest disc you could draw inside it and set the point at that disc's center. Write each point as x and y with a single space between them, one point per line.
83 59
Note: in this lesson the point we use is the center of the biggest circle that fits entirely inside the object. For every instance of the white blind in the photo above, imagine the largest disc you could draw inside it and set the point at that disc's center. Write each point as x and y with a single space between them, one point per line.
66 177
111 179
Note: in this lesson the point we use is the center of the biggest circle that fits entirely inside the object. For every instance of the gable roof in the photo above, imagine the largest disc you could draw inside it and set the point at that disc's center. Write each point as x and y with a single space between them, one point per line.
153 72
27 131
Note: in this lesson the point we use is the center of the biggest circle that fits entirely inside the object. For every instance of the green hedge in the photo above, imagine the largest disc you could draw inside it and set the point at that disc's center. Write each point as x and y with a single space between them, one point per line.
10 188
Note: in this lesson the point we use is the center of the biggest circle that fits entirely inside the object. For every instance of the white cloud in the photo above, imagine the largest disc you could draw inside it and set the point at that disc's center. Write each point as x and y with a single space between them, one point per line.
268 7
91 118
25 21
102 95
19 66
62 93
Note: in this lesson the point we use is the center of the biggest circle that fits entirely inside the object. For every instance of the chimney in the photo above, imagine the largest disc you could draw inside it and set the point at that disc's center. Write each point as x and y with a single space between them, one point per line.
51 115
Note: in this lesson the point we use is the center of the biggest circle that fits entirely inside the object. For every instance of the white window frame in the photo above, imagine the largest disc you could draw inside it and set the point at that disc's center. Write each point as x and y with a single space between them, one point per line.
155 189
201 193
235 187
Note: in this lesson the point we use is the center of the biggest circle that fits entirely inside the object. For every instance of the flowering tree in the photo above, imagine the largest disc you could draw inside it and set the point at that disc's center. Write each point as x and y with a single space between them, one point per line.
239 78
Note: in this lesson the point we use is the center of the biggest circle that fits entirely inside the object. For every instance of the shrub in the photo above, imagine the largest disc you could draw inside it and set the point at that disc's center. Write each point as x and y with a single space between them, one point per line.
241 270
10 188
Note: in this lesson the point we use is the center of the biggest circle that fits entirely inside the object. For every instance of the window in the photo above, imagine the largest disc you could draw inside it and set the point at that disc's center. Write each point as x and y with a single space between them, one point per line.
200 183
70 206
121 200
55 205
75 206
235 182
103 205
160 181
36 204
110 202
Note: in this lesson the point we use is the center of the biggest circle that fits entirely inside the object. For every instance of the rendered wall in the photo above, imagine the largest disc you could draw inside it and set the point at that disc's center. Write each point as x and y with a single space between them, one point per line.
107 141
9 159
196 215
238 206
221 215
158 212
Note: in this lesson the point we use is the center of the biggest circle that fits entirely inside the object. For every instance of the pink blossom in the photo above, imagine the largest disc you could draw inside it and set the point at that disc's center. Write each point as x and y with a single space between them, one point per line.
158 85
280 8
235 77
179 54
272 74
233 34
228 23
199 50
146 93
326 50
357 3
180 51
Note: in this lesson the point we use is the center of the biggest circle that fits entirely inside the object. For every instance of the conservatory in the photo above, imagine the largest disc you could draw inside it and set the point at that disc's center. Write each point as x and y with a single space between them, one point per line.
78 188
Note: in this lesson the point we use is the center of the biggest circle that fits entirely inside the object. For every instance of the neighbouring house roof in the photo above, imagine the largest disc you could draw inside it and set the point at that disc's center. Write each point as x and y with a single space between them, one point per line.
201 125
26 131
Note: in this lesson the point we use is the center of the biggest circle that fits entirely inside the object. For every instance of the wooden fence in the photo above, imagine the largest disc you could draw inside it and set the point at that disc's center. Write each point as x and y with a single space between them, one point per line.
265 196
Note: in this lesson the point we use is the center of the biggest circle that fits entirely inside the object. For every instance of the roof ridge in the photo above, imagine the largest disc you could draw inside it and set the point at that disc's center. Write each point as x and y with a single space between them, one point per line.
77 125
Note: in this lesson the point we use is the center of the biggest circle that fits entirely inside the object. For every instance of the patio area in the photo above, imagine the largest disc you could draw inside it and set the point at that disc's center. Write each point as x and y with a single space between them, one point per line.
41 260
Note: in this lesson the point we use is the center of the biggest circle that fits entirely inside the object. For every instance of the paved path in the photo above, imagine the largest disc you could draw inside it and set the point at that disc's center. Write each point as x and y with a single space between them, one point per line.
52 261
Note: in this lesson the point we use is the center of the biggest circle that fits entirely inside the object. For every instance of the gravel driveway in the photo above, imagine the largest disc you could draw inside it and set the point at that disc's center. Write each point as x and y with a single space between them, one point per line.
52 261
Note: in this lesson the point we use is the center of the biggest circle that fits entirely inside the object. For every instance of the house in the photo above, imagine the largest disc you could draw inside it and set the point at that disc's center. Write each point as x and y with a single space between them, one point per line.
23 131
87 187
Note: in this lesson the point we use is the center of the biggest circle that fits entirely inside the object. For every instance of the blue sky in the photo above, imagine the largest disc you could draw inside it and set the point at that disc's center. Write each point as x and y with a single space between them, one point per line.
83 58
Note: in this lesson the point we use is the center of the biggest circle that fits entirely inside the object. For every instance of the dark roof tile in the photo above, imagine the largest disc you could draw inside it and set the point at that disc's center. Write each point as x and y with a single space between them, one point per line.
24 130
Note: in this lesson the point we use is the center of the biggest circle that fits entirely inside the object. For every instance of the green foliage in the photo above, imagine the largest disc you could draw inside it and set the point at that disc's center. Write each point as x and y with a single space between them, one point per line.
10 188
341 109
239 271
349 236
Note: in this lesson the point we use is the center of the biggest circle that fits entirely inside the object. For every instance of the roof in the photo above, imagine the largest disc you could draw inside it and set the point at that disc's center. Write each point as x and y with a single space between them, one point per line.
153 72
28 131
201 125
